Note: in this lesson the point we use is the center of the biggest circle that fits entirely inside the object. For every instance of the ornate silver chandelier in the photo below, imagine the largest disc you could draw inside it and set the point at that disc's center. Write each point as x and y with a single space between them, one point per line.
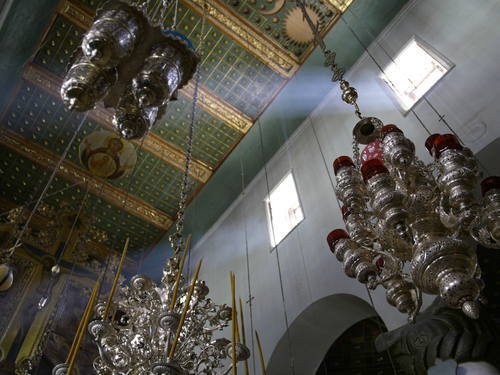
411 226
131 64
140 336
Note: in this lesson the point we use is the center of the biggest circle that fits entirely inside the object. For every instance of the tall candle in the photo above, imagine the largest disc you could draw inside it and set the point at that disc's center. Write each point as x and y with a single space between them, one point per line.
179 274
115 281
184 311
87 315
261 356
243 337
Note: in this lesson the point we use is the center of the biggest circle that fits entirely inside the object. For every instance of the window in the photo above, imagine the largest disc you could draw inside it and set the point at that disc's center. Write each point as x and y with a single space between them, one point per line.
413 72
283 209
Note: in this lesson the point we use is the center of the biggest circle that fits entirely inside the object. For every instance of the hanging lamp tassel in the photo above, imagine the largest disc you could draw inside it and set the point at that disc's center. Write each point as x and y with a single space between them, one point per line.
184 311
234 326
81 328
261 356
115 281
243 336
179 274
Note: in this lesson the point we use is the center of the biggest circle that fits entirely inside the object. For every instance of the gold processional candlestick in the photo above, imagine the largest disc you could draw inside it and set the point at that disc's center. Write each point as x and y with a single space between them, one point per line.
179 274
115 281
184 311
261 356
243 336
80 333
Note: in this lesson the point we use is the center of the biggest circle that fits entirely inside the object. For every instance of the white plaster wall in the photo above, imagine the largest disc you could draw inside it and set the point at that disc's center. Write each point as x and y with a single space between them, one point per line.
467 33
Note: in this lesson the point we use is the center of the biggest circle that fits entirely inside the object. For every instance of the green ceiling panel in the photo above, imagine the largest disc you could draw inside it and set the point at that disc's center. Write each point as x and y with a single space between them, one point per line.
44 120
59 44
22 180
228 69
213 138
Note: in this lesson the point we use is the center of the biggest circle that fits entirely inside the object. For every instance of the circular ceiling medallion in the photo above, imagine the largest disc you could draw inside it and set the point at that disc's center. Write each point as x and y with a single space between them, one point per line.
6 277
107 155
297 30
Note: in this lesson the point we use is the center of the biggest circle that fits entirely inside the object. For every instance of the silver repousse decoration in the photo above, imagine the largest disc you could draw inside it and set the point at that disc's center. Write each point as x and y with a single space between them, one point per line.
131 64
138 338
410 225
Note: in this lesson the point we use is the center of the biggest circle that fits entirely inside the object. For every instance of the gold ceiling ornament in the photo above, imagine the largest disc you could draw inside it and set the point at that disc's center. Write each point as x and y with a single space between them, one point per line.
278 5
42 236
126 60
410 226
52 227
107 155
295 28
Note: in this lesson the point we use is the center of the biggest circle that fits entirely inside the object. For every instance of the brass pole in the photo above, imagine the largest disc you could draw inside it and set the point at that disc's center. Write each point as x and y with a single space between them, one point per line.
82 331
179 274
243 336
261 356
184 311
115 281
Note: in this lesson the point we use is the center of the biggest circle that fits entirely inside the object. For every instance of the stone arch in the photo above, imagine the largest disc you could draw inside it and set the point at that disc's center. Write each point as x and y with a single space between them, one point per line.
314 330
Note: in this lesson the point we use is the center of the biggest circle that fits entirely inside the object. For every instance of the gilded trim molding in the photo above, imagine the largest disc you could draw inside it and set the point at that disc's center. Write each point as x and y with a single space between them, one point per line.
75 13
341 5
211 103
238 29
152 143
219 109
76 174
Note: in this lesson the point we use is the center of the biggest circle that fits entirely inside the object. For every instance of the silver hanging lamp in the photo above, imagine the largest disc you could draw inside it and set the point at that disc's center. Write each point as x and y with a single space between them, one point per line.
127 61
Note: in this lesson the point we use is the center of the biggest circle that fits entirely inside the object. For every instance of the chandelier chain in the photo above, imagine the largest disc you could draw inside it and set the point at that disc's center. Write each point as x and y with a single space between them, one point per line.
176 8
176 240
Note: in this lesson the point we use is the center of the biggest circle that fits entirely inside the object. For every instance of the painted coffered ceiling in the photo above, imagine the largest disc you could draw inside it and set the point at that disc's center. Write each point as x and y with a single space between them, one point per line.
252 49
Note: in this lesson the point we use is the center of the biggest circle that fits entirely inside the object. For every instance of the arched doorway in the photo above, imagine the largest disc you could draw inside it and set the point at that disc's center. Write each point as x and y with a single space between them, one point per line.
354 352
313 331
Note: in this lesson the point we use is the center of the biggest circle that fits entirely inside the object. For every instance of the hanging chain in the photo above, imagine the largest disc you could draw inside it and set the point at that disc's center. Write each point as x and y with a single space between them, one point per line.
165 5
349 94
176 239
355 153
174 22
